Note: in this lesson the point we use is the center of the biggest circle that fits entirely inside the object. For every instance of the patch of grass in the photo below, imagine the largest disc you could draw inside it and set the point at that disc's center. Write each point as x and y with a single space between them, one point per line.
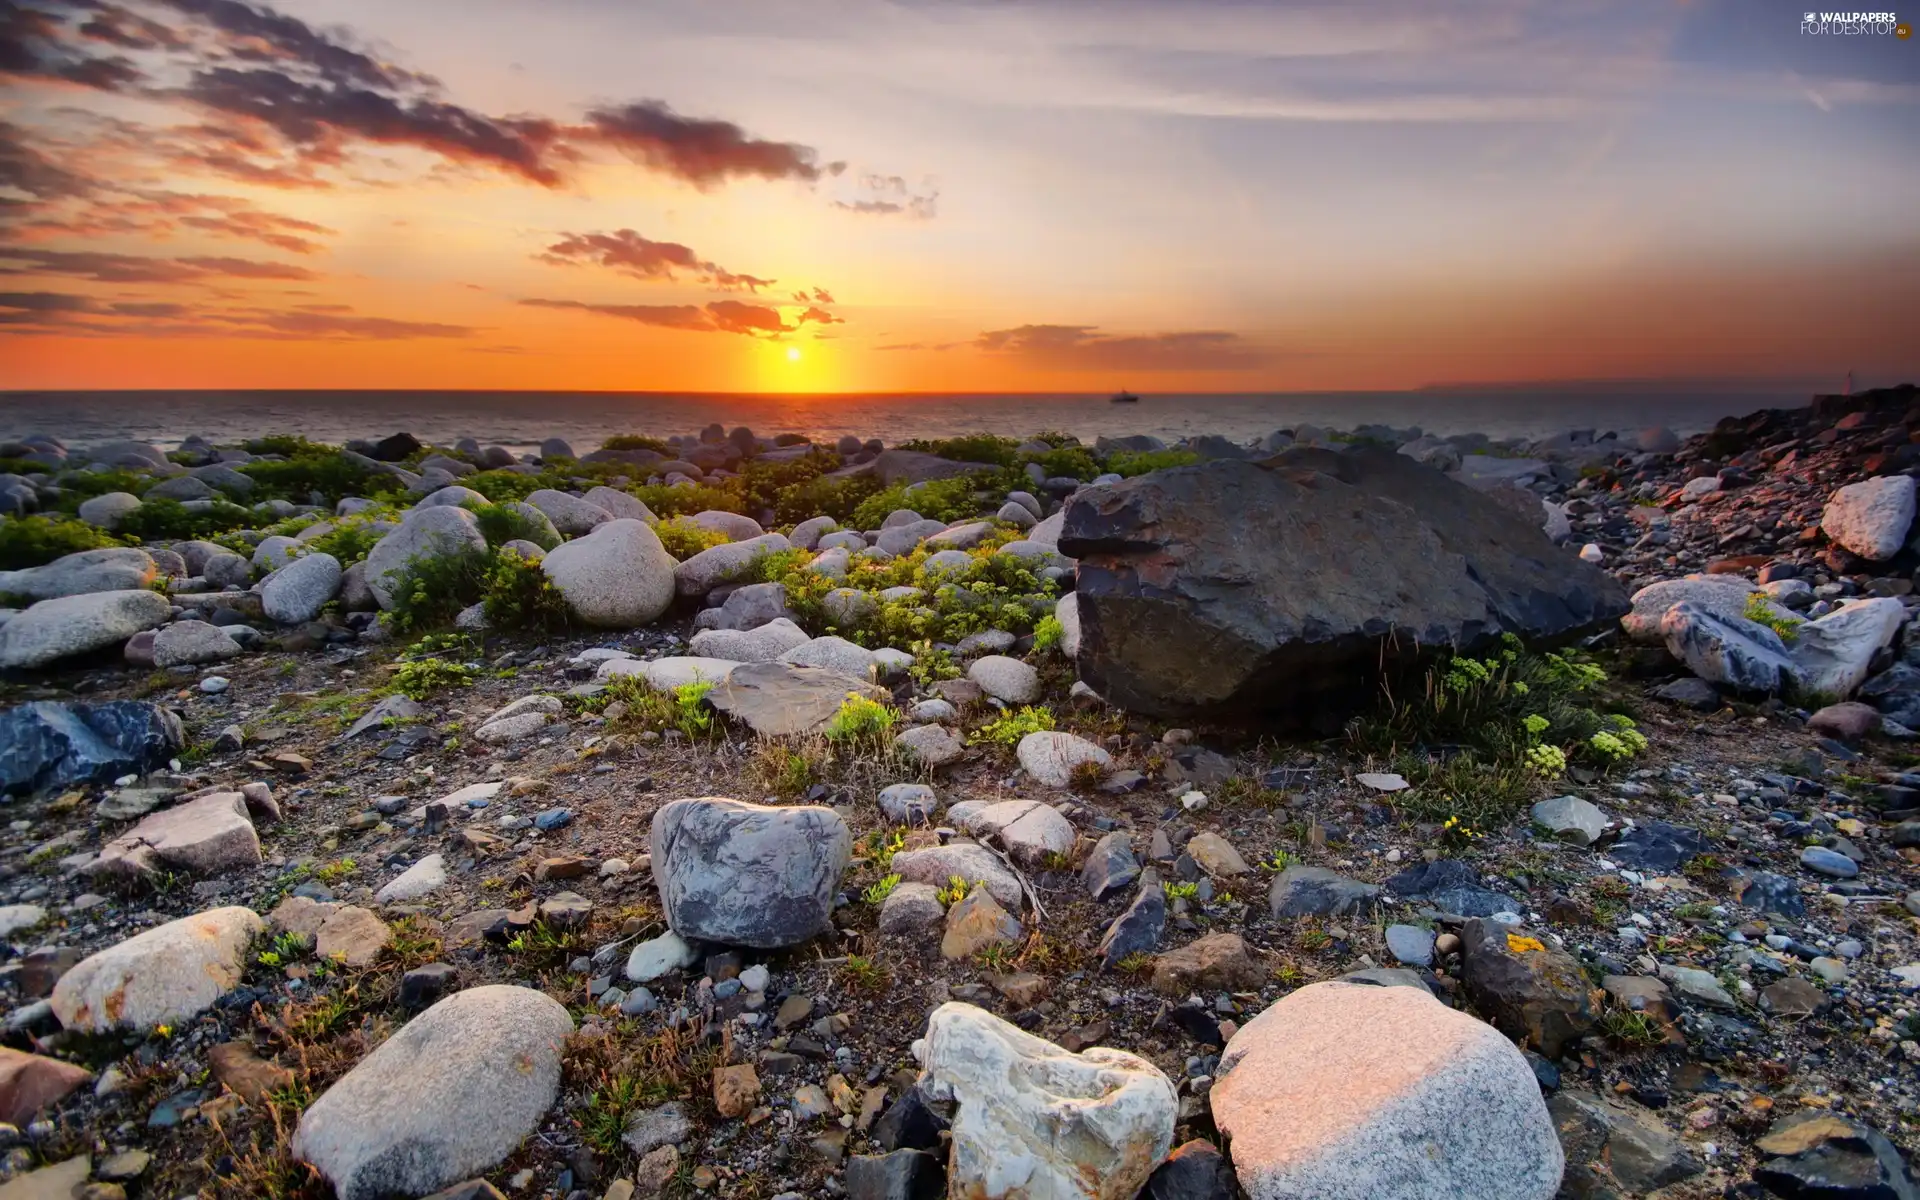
1008 728
957 889
877 893
1137 963
1634 1030
334 872
881 845
435 588
860 721
518 595
426 677
1183 891
997 958
784 770
1761 611
502 522
684 539
1140 462
1047 633
608 1109
863 974
30 541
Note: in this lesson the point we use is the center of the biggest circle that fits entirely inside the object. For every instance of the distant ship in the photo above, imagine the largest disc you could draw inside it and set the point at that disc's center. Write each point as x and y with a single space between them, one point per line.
1124 397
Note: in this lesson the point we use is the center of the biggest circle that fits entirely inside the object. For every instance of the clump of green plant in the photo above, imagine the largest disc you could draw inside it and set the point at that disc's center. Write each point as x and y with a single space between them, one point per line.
684 539
863 974
30 541
692 715
608 1110
860 721
937 500
1634 1030
501 523
1761 611
979 447
289 947
881 845
877 893
1279 861
1182 891
825 497
1008 728
932 664
161 519
1047 633
425 677
434 588
310 469
785 771
1139 462
519 595
636 441
1071 462
352 538
957 889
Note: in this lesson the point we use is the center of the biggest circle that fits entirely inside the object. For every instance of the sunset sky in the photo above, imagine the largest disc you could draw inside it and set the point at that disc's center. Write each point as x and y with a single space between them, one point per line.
932 195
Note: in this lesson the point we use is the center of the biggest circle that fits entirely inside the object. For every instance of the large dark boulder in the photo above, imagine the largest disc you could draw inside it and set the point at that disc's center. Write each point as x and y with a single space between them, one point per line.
911 466
397 448
1227 588
44 745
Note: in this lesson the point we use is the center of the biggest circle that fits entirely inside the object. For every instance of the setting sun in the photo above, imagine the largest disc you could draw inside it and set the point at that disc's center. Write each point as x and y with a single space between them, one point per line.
793 354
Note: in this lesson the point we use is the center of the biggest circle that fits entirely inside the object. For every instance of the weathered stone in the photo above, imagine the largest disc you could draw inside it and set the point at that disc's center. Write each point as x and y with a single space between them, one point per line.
1723 596
779 699
60 628
1051 757
166 975
724 563
51 745
1872 517
975 923
1006 679
911 910
1033 1120
1030 830
1219 588
418 880
1215 963
908 803
190 643
1315 1102
424 534
746 875
204 836
1318 892
570 515
935 865
31 1082
1607 1142
1110 866
1137 930
1815 1155
618 576
114 569
1570 819
385 1127
298 591
763 643
929 745
1527 990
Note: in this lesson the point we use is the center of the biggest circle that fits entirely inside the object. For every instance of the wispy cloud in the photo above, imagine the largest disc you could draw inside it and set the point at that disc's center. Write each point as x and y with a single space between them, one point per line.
1081 347
626 251
719 316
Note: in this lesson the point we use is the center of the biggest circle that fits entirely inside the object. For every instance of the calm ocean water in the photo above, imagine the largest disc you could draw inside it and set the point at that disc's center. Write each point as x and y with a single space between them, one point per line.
522 419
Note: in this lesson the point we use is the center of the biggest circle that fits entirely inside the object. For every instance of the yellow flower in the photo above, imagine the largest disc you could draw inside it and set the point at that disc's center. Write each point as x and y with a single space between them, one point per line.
1521 945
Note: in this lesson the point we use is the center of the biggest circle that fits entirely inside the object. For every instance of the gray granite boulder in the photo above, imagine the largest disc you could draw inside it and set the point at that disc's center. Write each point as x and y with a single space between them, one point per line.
1349 1090
617 577
746 875
725 563
454 1092
190 643
117 569
166 975
570 514
298 591
55 629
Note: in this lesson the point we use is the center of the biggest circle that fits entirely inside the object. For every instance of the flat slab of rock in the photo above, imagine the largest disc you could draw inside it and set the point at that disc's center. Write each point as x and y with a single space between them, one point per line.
115 569
416 881
1316 1102
387 1127
1034 1120
1318 892
31 1082
205 836
166 975
779 699
666 674
747 875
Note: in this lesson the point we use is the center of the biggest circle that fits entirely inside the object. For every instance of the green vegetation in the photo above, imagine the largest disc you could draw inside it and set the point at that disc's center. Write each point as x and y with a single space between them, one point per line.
1047 633
980 448
860 721
685 708
1139 462
1762 612
31 541
684 539
501 524
1482 732
425 677
1009 728
635 441
164 520
352 538
518 595
311 470
878 892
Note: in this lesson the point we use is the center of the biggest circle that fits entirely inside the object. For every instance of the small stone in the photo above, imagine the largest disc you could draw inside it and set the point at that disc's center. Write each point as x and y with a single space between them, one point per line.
735 1089
1411 945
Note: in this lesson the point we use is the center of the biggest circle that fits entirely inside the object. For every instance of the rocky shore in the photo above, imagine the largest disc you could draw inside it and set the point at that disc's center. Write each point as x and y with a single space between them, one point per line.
1357 813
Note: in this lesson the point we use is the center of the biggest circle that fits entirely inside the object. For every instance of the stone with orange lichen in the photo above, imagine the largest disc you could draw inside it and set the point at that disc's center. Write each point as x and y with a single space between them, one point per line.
168 974
1352 1092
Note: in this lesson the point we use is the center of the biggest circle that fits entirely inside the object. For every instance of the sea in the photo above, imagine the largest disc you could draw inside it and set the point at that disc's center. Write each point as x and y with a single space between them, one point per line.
522 420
